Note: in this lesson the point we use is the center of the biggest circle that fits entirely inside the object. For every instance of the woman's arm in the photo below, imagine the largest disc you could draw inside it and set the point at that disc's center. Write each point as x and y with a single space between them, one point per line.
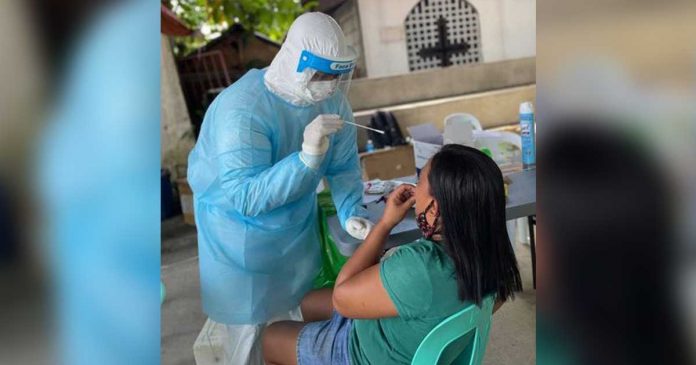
359 292
366 255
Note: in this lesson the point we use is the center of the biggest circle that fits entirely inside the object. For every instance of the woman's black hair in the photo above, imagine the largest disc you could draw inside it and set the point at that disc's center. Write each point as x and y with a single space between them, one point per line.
468 187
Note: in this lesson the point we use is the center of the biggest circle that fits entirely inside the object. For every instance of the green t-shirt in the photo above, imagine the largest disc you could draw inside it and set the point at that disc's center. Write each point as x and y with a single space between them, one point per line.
420 280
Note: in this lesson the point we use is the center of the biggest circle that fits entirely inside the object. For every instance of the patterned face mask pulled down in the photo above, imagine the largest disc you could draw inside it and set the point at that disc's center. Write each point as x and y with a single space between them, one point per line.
427 229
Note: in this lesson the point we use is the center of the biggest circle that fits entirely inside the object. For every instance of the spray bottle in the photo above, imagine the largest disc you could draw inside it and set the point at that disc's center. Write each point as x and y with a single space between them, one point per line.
527 133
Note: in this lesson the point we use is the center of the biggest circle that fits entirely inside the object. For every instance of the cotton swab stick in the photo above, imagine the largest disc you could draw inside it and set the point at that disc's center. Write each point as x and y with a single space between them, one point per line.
362 126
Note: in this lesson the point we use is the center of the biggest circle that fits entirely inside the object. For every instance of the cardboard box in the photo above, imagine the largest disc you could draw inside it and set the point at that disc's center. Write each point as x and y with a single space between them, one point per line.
186 198
427 141
388 163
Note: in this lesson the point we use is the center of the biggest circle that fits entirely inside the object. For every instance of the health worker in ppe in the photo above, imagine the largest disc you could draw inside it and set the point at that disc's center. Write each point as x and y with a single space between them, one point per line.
265 144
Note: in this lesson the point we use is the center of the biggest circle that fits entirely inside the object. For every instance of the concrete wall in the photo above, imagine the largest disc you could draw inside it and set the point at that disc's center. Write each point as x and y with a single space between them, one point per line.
441 83
508 31
518 23
492 108
175 128
348 18
384 38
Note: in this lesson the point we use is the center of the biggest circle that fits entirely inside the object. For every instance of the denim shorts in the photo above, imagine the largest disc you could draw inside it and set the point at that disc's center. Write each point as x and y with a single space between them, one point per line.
325 342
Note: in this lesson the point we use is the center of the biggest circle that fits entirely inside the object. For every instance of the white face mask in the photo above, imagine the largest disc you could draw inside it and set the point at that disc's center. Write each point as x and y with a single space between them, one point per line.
320 90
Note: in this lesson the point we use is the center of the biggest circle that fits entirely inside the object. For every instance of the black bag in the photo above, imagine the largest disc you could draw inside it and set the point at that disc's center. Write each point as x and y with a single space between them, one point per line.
386 122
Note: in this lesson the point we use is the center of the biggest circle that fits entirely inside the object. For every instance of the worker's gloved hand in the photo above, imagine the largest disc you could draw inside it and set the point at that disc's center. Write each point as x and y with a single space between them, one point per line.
316 140
358 227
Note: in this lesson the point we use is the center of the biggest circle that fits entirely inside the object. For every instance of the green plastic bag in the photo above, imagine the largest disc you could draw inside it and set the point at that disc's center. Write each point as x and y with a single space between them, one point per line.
331 260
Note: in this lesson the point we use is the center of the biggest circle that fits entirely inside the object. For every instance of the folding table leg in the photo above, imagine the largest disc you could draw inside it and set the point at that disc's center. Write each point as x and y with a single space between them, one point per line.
531 220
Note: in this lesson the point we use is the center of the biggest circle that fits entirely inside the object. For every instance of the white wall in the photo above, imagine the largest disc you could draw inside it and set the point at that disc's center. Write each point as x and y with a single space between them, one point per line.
508 30
384 37
519 28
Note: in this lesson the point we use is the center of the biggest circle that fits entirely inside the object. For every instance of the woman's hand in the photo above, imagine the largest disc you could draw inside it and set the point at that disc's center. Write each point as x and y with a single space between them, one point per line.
398 204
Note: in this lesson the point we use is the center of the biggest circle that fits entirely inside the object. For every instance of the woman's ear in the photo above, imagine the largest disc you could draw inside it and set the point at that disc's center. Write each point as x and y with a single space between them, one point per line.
434 210
434 215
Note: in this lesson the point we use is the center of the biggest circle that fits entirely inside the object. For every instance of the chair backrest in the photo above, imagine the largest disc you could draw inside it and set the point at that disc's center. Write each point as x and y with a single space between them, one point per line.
460 339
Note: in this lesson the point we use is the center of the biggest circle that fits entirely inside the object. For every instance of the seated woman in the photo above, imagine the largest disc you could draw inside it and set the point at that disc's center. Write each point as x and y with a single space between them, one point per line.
379 312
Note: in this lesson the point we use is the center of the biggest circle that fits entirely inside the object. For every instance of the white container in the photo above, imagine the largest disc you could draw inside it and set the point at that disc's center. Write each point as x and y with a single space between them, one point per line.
458 132
460 129
498 142
464 117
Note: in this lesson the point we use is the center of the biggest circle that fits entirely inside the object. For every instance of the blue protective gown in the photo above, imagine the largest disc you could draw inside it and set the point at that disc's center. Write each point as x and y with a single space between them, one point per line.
255 200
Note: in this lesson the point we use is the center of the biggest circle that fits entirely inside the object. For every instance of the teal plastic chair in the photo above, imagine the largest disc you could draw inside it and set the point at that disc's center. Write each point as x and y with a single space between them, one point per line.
460 339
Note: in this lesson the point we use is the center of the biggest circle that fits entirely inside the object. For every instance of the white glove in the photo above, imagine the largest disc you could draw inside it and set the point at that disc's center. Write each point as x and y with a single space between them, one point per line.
315 134
358 227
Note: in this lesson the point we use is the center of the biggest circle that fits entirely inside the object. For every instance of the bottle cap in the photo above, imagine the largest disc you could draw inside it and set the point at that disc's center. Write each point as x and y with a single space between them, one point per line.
526 107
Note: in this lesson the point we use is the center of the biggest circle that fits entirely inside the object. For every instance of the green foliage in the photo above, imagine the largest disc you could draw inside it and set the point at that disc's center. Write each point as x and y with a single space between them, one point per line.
269 17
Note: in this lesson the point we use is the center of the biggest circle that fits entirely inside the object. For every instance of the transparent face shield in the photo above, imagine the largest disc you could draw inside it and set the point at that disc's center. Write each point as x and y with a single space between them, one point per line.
324 77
